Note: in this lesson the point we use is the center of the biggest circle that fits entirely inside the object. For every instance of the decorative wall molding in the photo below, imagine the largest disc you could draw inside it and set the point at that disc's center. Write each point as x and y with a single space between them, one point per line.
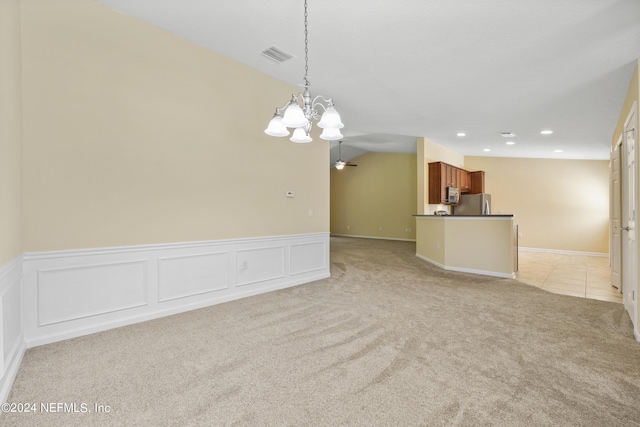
189 275
92 290
269 261
77 292
12 343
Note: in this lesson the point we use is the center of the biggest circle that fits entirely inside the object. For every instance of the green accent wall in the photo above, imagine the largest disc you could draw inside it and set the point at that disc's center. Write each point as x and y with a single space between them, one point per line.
377 198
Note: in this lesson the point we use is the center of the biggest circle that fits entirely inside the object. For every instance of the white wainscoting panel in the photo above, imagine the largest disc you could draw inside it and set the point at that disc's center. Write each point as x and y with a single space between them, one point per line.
73 293
12 343
308 257
89 290
260 265
11 319
185 276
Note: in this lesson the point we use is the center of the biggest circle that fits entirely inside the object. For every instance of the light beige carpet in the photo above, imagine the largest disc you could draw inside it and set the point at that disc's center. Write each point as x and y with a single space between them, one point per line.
387 340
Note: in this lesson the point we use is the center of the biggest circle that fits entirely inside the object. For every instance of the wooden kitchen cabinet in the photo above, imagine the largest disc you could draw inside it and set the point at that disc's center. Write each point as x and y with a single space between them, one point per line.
477 182
443 175
464 181
438 178
452 175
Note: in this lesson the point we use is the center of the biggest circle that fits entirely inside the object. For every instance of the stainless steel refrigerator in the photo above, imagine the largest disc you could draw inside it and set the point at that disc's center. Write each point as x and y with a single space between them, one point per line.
473 204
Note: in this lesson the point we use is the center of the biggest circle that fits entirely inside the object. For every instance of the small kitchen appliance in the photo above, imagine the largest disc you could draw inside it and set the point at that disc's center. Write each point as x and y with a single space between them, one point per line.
452 195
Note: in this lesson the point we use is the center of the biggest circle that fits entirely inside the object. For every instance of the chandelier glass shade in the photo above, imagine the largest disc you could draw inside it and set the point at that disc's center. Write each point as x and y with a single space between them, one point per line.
300 135
301 110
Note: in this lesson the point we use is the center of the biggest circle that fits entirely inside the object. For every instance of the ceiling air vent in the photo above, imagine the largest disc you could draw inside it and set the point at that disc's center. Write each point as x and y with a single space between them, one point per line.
508 134
277 54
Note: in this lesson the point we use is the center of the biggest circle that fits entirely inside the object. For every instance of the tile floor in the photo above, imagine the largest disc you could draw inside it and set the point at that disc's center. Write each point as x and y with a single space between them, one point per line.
578 275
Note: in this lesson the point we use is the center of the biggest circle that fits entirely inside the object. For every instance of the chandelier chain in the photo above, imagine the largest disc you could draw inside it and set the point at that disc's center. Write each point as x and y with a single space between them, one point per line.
306 43
300 111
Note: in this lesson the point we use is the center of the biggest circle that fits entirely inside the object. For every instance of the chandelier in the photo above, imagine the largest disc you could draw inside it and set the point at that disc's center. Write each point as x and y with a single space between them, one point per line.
299 112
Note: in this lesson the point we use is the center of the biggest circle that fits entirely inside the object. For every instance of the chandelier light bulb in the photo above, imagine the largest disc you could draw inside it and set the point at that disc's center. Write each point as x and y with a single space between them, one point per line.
340 165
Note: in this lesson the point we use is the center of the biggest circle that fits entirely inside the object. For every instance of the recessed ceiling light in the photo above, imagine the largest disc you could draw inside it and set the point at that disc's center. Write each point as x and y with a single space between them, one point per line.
510 143
487 149
557 151
546 132
508 134
461 134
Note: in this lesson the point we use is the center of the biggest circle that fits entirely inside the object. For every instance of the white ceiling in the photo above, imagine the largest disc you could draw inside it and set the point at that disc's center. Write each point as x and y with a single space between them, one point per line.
433 68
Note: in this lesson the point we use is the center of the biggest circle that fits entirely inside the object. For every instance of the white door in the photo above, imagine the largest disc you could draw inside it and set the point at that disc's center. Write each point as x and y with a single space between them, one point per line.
615 242
630 215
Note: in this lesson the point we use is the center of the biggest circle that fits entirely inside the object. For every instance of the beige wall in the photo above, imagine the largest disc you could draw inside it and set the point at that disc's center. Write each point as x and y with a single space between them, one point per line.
559 204
484 244
422 172
10 133
430 239
135 136
375 199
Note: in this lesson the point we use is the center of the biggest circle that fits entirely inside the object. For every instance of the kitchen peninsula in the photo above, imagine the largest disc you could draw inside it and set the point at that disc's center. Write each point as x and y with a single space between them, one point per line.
481 244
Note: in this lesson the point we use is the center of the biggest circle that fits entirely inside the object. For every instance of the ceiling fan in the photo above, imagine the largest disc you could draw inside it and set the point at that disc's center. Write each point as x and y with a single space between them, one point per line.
339 163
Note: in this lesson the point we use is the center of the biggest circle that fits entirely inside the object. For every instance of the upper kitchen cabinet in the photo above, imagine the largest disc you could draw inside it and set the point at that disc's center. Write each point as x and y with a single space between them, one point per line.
451 173
443 175
464 181
477 182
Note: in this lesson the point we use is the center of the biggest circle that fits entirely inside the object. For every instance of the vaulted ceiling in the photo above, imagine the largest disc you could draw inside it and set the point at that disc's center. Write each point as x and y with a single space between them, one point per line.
434 68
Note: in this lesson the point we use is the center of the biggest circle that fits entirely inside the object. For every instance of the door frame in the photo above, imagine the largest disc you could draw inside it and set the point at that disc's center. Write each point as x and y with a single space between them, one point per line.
615 214
630 252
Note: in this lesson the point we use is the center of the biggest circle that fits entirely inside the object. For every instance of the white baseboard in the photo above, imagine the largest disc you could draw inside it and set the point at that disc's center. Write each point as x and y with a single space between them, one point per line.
73 293
12 343
468 270
557 251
